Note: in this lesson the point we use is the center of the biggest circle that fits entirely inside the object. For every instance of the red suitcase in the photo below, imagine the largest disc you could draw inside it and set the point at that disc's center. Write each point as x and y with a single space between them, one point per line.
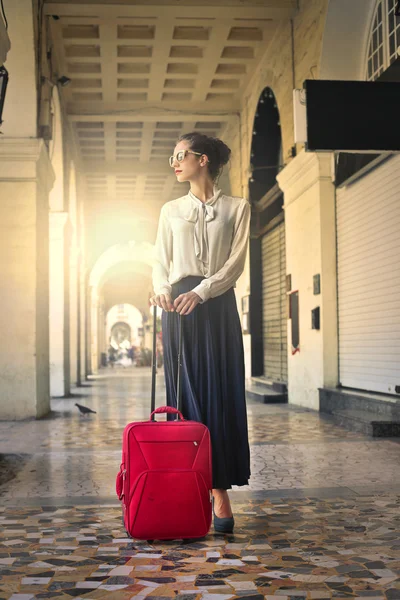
165 478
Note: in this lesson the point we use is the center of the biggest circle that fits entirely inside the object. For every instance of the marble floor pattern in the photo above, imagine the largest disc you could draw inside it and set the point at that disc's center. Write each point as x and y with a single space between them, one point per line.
319 519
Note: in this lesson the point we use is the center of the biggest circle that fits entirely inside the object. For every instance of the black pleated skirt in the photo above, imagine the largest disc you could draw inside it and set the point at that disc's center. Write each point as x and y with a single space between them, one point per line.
213 381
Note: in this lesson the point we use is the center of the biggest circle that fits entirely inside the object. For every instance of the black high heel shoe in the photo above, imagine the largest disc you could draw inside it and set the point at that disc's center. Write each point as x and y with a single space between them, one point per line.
223 524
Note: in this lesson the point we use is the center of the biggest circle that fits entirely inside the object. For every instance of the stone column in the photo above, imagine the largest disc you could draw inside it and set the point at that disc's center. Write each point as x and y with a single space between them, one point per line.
57 309
88 330
26 176
73 311
82 323
82 320
309 203
74 251
101 331
94 330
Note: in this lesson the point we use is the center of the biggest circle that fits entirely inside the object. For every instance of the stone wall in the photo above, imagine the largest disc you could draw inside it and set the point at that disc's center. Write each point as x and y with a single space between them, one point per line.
25 179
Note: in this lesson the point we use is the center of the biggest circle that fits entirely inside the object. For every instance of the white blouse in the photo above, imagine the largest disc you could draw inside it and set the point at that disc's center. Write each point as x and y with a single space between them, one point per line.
206 239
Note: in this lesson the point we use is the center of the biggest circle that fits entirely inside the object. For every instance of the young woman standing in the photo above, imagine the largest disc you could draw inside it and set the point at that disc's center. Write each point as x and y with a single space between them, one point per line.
200 253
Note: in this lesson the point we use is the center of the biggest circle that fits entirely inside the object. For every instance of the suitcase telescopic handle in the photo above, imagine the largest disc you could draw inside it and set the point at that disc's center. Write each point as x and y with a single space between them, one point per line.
154 365
167 409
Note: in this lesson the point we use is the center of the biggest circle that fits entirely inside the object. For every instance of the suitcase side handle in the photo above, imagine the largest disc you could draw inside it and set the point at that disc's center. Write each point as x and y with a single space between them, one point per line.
167 409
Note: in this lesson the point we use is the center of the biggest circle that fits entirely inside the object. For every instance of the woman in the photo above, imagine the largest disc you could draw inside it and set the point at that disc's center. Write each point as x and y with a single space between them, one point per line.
200 253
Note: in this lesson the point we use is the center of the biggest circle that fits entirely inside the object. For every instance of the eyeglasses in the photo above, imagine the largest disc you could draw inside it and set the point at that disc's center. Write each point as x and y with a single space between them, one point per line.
181 155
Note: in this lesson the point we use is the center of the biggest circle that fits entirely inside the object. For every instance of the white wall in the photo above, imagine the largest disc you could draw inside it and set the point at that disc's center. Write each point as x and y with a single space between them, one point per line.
243 289
310 250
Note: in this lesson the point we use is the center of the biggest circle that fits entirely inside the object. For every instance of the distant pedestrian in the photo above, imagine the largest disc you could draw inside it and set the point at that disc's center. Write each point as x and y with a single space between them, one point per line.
112 356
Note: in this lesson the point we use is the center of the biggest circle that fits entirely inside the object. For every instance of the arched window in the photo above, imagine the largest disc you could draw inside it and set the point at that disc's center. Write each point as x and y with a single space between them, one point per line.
384 39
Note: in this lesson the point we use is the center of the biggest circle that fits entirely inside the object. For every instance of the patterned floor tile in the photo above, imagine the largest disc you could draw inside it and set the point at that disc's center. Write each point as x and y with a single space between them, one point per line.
308 548
320 518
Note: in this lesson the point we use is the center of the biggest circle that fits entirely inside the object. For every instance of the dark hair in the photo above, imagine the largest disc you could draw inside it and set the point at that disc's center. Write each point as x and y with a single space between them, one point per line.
217 152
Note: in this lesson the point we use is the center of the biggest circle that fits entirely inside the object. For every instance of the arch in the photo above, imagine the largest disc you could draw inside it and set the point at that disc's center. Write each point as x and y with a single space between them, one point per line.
266 146
139 255
121 331
126 288
384 40
346 60
118 260
120 319
266 158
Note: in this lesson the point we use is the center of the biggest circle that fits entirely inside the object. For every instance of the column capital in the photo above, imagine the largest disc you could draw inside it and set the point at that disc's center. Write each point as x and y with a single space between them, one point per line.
26 159
306 169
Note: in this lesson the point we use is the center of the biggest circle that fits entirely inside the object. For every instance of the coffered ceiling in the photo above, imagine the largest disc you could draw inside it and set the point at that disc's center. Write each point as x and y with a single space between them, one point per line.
142 73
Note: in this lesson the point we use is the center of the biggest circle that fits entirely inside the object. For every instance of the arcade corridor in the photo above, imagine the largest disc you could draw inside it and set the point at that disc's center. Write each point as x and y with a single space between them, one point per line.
94 95
319 520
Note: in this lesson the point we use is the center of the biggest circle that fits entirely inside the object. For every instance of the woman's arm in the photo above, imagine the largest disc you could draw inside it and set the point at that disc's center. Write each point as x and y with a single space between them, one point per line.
162 255
227 276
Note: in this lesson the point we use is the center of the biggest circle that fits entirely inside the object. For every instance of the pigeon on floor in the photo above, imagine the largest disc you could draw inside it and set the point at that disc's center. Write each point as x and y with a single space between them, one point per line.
84 409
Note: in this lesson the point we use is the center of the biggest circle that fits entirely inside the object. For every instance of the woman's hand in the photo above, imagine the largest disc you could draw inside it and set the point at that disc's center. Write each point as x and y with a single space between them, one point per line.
185 303
163 301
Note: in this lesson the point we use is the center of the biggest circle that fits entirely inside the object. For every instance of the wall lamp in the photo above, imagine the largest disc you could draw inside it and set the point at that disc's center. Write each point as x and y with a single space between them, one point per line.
63 81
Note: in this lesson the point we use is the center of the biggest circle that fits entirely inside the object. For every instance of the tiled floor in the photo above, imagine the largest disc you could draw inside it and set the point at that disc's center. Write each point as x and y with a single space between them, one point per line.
320 518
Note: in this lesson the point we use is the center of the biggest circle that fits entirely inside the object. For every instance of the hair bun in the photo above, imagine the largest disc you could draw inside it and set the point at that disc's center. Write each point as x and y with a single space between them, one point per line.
222 150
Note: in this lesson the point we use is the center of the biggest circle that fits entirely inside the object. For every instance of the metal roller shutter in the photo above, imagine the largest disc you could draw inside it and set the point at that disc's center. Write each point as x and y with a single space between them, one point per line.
368 240
274 304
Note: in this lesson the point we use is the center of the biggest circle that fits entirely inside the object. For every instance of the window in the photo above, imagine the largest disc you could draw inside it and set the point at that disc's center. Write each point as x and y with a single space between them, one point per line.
384 39
383 44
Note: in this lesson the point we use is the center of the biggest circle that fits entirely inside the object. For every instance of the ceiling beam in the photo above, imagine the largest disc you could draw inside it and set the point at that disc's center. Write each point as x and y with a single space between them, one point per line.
131 167
200 22
214 47
149 116
269 9
167 107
